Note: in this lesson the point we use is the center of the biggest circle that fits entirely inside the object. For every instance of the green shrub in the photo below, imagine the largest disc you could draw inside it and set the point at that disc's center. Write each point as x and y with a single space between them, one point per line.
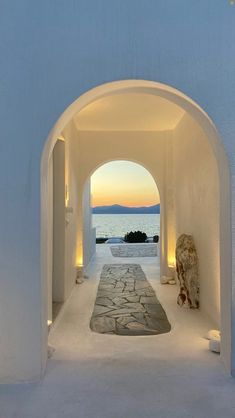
155 238
136 236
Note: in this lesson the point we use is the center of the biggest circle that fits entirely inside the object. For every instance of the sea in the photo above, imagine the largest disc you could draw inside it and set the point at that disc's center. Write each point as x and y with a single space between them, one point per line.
108 226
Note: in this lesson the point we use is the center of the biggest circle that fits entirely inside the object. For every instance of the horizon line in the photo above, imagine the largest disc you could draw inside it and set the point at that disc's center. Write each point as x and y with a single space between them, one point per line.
124 206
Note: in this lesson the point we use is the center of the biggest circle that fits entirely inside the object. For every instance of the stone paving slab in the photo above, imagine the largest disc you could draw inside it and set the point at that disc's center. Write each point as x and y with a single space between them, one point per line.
132 250
133 312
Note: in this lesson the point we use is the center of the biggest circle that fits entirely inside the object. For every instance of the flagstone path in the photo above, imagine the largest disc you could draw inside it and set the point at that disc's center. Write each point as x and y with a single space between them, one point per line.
132 250
126 303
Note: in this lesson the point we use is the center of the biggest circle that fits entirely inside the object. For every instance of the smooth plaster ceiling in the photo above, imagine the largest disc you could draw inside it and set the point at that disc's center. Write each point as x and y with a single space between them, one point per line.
129 111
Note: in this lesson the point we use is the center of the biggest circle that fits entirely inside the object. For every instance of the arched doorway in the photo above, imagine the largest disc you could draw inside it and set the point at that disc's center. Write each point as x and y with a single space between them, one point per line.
128 185
196 119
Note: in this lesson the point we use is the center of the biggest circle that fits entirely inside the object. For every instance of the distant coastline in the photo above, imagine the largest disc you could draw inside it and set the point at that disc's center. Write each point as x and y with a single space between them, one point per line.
118 209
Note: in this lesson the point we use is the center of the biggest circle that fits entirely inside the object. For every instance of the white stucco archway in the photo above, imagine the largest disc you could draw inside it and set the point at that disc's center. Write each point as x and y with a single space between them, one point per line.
169 93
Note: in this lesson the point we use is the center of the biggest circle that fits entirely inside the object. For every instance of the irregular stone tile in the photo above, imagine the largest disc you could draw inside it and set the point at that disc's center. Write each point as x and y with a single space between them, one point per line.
103 324
141 285
139 316
137 326
99 309
145 292
107 287
123 311
150 308
151 322
120 285
124 320
160 325
150 292
109 280
114 294
120 328
104 301
155 311
129 288
115 290
133 298
137 307
148 299
119 301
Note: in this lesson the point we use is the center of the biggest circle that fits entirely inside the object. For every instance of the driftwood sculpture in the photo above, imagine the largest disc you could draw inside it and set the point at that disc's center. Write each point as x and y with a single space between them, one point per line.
187 271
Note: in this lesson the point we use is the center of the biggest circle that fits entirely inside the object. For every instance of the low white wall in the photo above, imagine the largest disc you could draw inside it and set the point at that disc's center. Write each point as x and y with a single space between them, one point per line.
197 207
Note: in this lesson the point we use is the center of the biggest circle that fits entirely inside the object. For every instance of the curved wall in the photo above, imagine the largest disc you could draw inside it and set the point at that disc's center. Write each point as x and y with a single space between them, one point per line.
197 208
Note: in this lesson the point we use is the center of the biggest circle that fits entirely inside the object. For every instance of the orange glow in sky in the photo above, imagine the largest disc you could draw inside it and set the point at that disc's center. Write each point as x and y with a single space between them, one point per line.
124 183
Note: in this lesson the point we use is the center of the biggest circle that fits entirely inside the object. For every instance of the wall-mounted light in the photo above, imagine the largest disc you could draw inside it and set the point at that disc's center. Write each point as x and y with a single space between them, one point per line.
66 195
49 322
79 261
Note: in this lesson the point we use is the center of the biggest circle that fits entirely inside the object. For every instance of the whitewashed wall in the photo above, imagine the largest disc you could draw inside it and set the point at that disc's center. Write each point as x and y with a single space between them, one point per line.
58 273
52 53
197 207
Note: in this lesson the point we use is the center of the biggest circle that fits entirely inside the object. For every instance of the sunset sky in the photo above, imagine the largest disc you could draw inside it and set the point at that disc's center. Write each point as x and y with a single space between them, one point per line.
123 183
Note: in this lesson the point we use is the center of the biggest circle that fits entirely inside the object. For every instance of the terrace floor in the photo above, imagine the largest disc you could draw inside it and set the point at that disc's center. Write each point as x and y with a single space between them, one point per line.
112 376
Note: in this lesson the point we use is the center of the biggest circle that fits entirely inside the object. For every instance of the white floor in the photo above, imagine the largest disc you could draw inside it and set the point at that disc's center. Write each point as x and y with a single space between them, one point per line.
107 376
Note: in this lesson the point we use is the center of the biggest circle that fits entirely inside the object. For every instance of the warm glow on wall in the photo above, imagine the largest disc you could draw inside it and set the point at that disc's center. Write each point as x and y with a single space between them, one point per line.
66 195
79 261
171 261
79 254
